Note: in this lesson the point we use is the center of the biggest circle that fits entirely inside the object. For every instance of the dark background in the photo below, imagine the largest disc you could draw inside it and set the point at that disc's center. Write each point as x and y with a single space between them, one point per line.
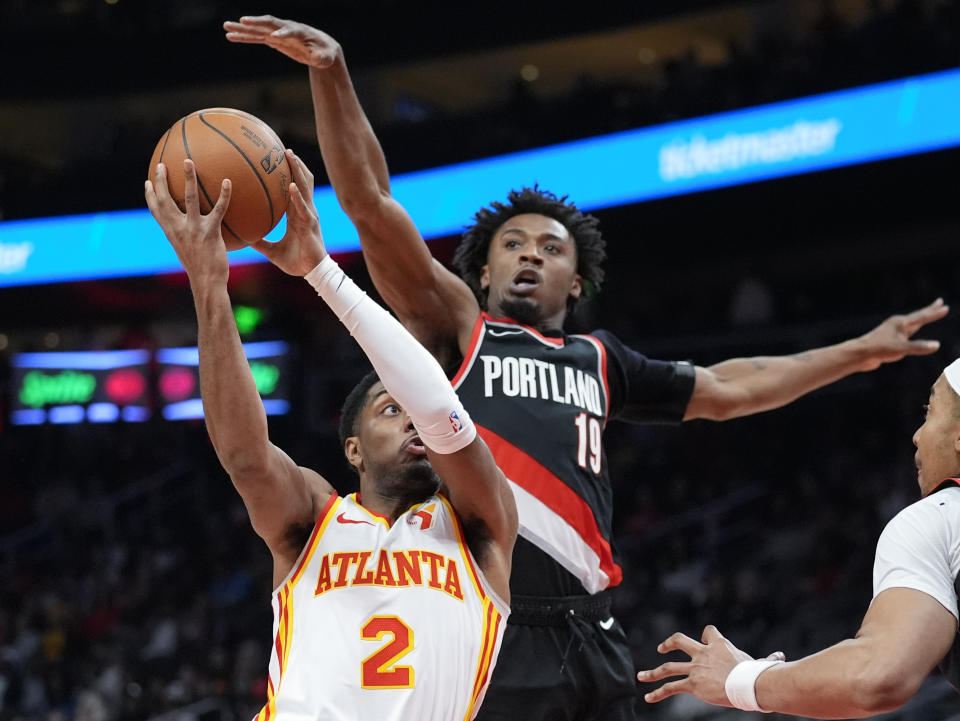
132 582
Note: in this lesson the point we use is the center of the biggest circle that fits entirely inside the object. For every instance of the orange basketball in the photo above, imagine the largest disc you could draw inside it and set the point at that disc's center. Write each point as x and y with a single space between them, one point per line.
228 143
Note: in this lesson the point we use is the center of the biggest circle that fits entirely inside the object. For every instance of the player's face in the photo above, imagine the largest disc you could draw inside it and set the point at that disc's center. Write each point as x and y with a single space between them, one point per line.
531 271
938 439
388 452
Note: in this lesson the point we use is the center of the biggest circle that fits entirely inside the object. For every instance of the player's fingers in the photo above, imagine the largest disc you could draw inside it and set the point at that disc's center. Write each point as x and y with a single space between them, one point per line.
711 634
160 183
297 207
923 347
247 38
307 173
220 209
244 29
912 322
233 26
777 656
261 21
664 670
300 173
296 167
150 195
667 690
191 199
679 642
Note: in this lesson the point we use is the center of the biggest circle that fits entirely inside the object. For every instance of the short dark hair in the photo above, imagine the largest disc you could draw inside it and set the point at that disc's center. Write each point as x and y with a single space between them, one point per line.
471 255
353 406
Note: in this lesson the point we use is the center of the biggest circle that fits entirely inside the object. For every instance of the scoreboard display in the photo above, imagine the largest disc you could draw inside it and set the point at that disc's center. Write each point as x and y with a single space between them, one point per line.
131 385
93 386
178 379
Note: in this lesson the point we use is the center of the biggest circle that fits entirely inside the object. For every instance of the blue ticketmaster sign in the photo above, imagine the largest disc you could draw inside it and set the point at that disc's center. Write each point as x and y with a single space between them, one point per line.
874 122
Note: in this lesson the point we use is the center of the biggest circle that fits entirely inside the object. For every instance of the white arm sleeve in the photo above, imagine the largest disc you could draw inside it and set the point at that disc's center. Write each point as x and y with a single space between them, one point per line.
919 549
409 373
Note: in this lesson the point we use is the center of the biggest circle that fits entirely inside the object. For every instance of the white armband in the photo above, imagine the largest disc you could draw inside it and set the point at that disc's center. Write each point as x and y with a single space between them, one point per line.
409 373
741 682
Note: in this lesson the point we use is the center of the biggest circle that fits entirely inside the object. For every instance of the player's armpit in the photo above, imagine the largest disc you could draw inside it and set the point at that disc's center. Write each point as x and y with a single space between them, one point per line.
280 494
479 490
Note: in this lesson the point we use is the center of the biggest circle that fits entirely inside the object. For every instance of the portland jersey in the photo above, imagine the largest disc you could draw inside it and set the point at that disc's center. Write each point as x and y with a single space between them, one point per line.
383 622
541 404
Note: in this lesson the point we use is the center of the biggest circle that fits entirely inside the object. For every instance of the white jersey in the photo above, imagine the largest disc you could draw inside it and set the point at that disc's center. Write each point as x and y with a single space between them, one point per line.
380 622
920 549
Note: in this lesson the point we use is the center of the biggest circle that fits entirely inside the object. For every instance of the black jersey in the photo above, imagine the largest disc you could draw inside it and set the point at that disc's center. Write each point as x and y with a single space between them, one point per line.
541 404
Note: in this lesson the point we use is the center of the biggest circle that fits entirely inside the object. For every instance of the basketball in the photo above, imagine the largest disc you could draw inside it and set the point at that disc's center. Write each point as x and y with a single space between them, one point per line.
228 143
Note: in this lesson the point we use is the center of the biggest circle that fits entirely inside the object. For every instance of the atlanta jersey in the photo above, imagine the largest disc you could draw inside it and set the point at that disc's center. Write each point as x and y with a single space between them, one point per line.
541 404
383 622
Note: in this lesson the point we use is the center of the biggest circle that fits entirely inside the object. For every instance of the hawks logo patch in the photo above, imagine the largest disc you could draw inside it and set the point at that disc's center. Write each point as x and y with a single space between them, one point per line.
424 516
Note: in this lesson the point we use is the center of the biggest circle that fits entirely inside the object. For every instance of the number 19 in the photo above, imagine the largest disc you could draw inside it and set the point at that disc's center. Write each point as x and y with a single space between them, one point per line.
590 436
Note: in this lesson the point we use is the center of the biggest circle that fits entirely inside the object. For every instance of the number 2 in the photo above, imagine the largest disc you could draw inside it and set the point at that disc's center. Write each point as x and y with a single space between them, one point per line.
590 436
378 669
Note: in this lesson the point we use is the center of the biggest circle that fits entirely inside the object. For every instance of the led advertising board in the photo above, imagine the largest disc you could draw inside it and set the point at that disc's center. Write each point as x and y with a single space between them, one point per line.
178 379
78 386
885 120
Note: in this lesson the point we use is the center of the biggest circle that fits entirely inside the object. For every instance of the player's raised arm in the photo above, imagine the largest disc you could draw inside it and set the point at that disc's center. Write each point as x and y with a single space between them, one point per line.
742 386
478 490
277 494
433 302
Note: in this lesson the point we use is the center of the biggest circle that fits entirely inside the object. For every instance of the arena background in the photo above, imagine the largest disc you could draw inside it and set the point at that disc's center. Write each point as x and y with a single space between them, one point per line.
132 584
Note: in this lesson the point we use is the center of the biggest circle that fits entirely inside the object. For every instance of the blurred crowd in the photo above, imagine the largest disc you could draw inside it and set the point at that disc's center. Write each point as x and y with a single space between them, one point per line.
895 40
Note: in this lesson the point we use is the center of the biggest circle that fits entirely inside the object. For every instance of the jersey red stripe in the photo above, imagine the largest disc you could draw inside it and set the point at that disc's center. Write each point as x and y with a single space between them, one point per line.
530 475
281 632
602 350
464 548
305 556
475 336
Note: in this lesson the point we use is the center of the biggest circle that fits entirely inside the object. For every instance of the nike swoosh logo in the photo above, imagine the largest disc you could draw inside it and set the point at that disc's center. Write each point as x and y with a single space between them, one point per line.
606 625
341 519
503 332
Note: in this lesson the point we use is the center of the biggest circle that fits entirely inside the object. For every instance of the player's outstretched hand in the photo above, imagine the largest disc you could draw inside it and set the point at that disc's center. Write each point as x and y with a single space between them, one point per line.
893 339
303 43
301 247
704 675
196 238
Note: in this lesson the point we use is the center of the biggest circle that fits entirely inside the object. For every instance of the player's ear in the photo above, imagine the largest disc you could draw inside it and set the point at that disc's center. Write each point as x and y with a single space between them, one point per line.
353 452
576 288
485 277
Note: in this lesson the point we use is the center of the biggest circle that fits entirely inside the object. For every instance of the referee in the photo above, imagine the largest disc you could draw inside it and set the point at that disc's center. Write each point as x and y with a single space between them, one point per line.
910 626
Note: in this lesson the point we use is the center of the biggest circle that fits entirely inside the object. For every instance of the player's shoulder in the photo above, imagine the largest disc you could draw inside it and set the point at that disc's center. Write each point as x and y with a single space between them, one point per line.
607 338
947 498
937 512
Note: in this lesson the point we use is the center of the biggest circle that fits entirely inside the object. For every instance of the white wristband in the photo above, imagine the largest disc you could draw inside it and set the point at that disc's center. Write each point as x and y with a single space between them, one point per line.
741 681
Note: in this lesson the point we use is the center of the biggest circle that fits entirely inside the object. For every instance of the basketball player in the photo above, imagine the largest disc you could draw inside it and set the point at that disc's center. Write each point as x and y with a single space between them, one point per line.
389 603
910 626
541 399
